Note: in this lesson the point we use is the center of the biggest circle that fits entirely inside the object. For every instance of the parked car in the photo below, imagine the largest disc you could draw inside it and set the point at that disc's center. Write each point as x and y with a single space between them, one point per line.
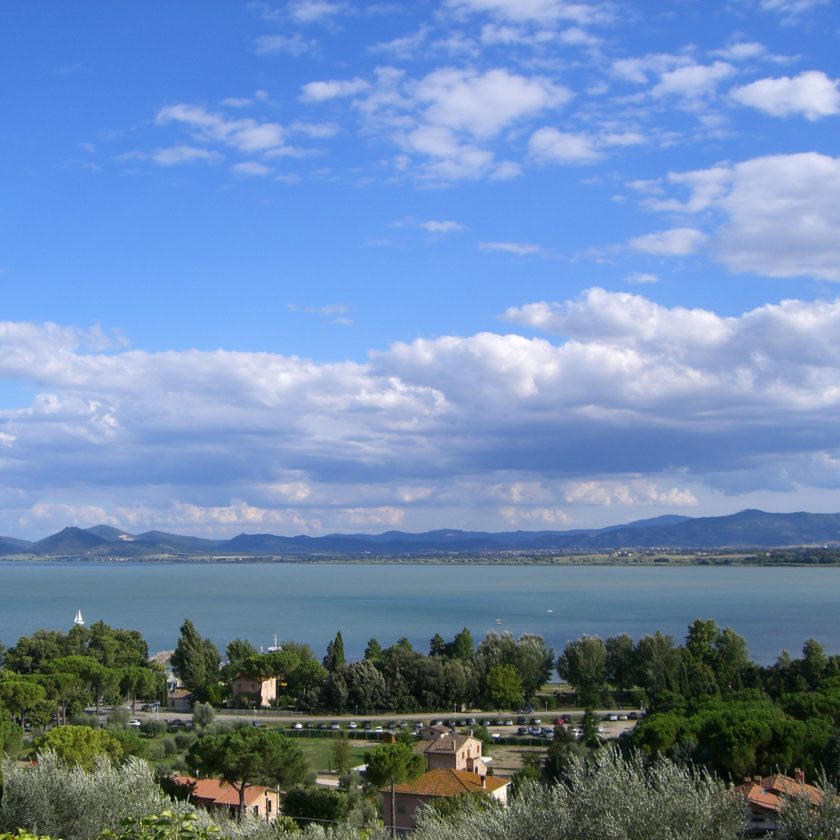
135 723
298 725
335 726
378 730
523 730
352 725
548 731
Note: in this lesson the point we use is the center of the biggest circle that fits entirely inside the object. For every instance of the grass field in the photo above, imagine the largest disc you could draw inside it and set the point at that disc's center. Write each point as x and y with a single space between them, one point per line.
319 753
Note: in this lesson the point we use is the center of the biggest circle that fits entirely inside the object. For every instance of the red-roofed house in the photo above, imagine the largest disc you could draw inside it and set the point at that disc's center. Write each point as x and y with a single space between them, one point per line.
765 797
433 785
261 801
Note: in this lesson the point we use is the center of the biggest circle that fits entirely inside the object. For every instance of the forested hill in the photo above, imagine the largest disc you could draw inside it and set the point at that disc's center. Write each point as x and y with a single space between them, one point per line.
749 529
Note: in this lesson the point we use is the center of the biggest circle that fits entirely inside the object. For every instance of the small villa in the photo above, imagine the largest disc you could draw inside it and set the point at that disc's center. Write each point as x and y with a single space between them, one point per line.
260 801
453 752
433 785
262 690
765 797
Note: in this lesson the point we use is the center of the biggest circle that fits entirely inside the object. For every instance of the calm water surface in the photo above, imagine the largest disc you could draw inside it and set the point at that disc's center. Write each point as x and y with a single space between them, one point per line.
771 608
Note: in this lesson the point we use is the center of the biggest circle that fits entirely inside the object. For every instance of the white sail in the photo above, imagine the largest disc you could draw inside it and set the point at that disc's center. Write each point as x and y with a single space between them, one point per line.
78 620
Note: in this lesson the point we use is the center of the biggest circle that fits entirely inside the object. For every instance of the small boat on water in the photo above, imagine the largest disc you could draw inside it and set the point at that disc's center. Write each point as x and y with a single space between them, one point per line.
78 620
499 621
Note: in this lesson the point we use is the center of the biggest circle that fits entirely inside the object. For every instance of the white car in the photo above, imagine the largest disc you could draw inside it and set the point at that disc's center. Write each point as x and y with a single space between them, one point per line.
135 723
298 725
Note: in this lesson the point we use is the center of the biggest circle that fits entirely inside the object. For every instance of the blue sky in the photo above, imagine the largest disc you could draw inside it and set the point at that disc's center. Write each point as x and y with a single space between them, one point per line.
319 266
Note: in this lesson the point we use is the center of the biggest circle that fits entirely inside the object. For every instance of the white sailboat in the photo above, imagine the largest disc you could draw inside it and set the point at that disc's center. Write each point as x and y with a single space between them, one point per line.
78 620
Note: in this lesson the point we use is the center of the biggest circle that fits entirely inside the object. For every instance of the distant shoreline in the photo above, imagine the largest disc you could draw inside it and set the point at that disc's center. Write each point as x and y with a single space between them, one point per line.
761 558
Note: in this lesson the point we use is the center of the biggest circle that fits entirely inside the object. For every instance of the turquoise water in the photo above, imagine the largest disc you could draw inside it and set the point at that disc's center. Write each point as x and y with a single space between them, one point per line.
771 608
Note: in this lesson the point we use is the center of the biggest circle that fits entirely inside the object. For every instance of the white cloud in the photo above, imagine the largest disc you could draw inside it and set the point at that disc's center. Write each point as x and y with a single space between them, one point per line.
741 51
315 11
680 398
640 69
246 135
447 122
811 94
630 494
553 518
176 155
295 45
540 11
441 227
549 145
252 167
791 10
783 217
482 104
694 81
677 242
333 89
776 215
519 249
642 278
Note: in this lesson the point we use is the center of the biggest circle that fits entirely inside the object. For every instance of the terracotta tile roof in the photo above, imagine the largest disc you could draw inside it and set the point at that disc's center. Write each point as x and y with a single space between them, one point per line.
221 793
448 743
447 782
769 791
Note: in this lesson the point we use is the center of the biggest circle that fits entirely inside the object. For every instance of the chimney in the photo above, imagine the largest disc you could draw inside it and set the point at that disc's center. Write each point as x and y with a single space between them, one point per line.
799 775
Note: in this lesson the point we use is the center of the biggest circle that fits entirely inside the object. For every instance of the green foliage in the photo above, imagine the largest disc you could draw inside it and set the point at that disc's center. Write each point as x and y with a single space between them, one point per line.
604 798
203 715
504 687
315 804
583 663
167 825
80 746
62 800
11 736
335 657
248 755
342 754
195 660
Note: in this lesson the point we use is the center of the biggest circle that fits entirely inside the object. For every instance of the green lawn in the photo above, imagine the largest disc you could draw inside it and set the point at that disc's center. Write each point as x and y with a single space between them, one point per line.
319 752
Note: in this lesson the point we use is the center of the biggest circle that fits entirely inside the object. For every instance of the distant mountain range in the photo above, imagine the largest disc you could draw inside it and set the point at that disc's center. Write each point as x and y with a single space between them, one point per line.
747 529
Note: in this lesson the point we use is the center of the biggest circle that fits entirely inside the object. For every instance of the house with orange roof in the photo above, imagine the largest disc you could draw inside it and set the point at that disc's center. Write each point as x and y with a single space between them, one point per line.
765 796
433 786
260 801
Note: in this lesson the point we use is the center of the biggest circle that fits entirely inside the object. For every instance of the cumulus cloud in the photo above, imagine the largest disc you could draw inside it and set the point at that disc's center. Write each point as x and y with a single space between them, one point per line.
776 215
811 94
295 45
333 89
677 242
626 402
446 121
176 155
246 135
552 146
694 81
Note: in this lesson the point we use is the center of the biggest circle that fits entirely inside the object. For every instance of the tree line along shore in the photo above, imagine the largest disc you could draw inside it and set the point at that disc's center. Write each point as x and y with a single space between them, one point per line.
708 706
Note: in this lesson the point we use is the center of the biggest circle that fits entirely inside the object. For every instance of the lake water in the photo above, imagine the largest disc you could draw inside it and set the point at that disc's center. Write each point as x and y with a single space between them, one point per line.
771 608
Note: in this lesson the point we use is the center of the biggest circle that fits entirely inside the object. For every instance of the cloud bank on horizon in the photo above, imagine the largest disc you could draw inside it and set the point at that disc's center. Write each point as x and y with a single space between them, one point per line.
320 266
